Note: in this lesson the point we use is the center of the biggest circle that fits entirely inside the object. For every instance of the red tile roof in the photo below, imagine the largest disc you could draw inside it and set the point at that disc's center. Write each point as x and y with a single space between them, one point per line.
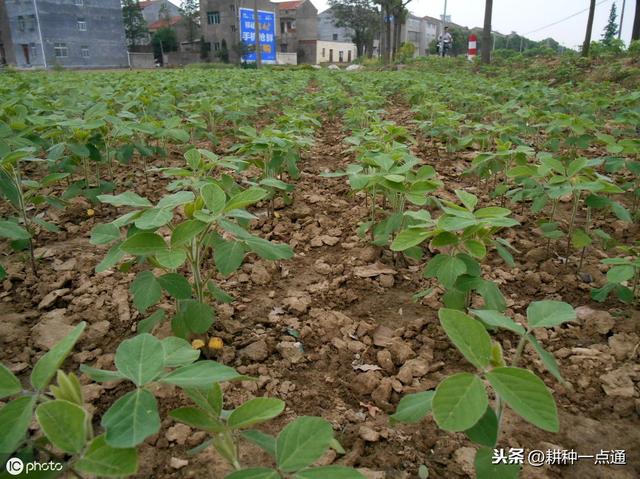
290 5
146 3
157 25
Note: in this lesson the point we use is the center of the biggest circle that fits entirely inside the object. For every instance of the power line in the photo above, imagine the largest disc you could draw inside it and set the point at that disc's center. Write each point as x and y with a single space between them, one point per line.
564 19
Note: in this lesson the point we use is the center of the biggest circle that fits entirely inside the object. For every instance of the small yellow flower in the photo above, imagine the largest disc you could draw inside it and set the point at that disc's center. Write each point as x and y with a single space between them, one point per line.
215 343
197 344
90 212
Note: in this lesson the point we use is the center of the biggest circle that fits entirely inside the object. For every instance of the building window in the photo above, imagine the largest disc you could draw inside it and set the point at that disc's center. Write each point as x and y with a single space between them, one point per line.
216 46
281 27
84 51
82 25
34 50
213 18
335 37
32 23
21 23
79 3
323 52
232 7
61 50
233 28
340 56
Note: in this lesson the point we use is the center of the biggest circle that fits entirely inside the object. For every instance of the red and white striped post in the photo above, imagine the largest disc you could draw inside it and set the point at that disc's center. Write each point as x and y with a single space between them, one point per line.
473 47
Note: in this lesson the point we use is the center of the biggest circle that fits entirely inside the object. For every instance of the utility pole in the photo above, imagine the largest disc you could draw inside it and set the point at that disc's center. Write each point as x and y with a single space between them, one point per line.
621 19
44 55
587 38
485 47
444 17
256 29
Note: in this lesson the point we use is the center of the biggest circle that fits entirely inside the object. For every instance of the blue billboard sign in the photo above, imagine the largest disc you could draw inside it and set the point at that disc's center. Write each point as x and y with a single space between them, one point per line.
267 29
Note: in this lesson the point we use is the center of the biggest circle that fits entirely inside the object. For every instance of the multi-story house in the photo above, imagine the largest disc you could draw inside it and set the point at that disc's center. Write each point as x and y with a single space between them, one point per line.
298 22
70 33
328 31
154 10
420 31
221 27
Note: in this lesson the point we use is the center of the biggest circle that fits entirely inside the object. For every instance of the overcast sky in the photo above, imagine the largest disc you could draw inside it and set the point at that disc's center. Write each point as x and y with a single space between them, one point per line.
526 16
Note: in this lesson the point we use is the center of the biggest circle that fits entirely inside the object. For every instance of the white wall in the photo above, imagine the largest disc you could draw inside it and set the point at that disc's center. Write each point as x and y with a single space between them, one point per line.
324 49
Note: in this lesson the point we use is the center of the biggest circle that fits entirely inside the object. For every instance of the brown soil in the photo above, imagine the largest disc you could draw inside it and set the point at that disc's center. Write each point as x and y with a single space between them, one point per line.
339 315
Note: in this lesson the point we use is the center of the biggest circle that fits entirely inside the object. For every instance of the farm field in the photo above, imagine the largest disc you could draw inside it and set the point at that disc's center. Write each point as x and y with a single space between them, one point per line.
436 261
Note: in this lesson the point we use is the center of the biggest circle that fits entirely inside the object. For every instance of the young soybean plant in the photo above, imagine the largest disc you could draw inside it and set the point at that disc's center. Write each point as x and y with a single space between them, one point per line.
463 234
214 219
623 278
460 402
22 195
61 416
299 445
273 152
143 360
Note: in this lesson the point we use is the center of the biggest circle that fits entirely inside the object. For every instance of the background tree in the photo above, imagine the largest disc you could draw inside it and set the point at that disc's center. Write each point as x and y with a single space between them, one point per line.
362 17
611 29
485 47
587 37
163 41
135 26
191 16
635 32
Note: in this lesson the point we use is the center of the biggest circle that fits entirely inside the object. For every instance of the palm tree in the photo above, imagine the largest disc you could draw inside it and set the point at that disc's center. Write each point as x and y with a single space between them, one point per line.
486 33
587 38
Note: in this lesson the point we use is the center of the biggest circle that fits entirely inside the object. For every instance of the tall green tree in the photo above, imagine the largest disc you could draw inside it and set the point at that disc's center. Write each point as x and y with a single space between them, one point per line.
362 17
164 40
191 16
135 26
587 37
611 29
485 46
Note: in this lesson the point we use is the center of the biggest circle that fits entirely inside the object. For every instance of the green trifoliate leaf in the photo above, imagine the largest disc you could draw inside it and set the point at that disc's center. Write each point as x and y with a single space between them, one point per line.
153 218
15 417
131 419
459 402
48 364
302 442
102 460
468 335
64 423
412 408
546 314
485 431
128 198
140 358
527 395
178 352
255 411
13 231
201 374
246 198
186 231
143 244
103 234
9 383
214 198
